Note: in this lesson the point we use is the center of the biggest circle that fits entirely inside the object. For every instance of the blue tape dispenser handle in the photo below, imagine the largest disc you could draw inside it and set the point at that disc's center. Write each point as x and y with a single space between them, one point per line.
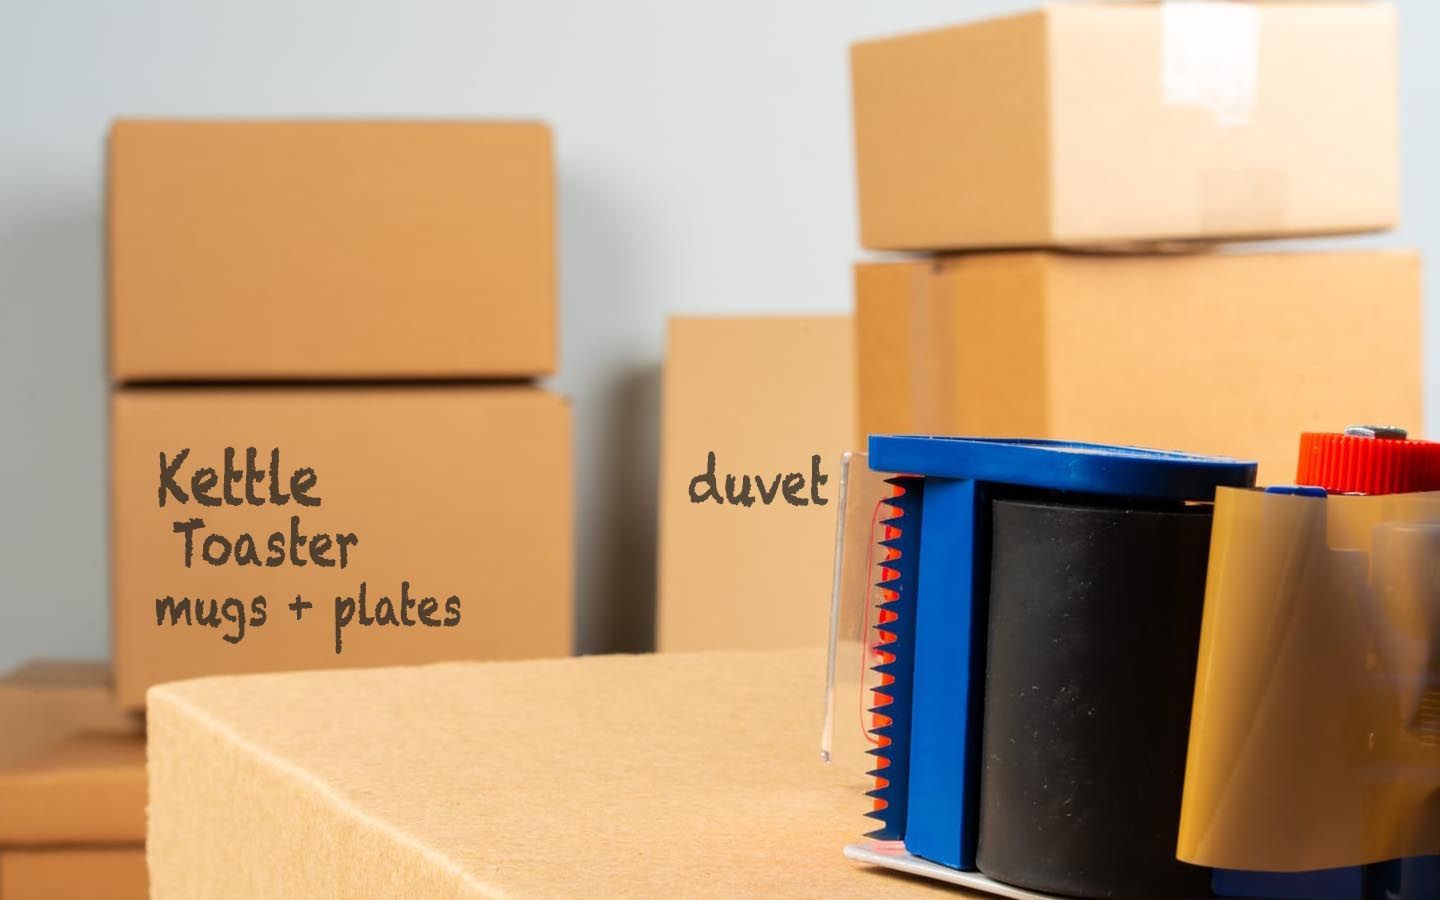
1062 465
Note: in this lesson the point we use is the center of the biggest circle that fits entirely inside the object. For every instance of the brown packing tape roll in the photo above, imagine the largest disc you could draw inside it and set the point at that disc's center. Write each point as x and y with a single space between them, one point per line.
1312 741
1404 582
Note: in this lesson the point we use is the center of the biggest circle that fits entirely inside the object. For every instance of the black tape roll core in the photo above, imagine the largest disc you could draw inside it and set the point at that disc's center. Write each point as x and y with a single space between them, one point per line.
1094 627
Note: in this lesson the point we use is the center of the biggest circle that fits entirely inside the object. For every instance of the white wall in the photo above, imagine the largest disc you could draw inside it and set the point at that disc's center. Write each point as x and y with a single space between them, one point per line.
704 159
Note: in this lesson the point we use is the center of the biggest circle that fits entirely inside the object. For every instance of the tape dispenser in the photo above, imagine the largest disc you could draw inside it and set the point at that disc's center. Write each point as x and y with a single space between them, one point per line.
1015 633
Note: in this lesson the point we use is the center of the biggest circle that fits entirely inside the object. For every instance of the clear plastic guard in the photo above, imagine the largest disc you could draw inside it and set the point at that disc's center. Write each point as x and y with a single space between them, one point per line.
849 680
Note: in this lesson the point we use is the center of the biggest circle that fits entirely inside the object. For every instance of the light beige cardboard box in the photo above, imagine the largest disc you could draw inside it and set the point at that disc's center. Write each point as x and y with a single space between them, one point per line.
330 249
422 523
756 412
1230 353
656 775
1084 123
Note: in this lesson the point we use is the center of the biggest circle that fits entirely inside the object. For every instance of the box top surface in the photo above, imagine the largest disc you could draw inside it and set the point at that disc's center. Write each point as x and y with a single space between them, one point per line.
633 774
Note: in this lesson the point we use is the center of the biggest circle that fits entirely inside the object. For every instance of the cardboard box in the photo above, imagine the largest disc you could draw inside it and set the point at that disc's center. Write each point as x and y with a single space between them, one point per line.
88 788
755 410
72 814
74 873
423 523
1093 123
658 775
330 249
46 700
1225 353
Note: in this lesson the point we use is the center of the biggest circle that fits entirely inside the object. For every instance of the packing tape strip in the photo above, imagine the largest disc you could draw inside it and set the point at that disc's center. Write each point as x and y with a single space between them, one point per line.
1313 739
931 385
1210 58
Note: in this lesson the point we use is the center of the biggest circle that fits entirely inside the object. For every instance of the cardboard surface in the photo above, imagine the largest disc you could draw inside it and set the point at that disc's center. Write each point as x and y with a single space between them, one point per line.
339 249
457 491
1224 353
1115 122
88 788
46 700
765 395
621 776
112 873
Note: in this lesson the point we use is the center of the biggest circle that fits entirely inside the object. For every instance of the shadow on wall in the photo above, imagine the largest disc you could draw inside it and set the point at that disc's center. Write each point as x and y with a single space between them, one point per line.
622 614
616 416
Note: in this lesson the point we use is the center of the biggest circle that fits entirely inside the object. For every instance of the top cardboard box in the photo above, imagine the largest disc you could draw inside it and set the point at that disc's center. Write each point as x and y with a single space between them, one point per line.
1116 123
330 250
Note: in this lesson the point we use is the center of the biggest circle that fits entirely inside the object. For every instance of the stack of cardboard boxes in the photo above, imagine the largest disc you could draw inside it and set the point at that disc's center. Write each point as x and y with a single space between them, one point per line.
1068 168
310 464
326 449
72 786
1069 175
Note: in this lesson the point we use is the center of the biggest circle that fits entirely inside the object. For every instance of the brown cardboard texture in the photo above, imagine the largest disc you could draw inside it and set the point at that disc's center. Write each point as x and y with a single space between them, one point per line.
46 700
422 523
607 776
85 789
1092 123
1224 353
115 873
330 249
747 545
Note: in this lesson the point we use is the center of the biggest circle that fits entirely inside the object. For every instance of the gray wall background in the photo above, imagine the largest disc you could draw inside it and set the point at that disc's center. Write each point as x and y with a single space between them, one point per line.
705 167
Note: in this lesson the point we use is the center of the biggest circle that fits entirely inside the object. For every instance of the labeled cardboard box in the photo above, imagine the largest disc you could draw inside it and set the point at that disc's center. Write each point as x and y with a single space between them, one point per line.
257 529
1224 353
756 412
500 780
330 249
1093 123
72 787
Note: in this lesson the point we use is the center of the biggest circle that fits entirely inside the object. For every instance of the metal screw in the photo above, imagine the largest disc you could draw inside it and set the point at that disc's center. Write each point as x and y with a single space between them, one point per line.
1384 432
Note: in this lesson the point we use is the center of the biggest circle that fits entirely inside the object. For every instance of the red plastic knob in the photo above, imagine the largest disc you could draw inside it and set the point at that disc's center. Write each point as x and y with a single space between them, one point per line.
1361 464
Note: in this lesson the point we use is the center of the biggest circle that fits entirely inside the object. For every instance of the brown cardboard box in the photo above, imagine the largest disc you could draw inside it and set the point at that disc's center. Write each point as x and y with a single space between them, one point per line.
46 700
1102 122
773 399
658 775
451 492
74 873
72 818
340 249
1226 353
87 788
